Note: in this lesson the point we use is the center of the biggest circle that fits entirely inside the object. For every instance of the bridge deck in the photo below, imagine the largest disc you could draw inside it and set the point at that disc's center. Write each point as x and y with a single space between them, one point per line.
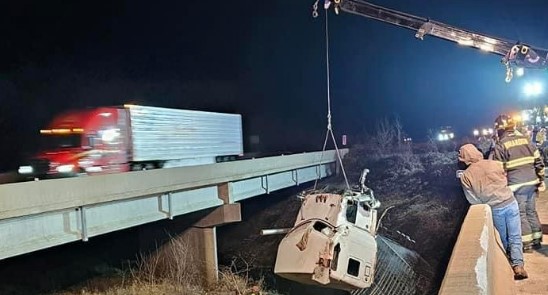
536 263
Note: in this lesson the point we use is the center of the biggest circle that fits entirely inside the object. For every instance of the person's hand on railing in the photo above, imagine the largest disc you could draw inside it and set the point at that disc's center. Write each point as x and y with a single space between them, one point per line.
541 186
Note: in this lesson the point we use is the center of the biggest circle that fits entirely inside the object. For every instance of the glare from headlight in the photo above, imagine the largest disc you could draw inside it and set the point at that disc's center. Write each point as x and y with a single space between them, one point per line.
65 168
25 170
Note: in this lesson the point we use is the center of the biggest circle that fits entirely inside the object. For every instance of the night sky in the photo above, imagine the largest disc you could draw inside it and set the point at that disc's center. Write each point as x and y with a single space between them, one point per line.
262 59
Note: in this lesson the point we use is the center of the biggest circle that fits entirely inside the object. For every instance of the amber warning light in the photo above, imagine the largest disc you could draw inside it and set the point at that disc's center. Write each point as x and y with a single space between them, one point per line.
61 131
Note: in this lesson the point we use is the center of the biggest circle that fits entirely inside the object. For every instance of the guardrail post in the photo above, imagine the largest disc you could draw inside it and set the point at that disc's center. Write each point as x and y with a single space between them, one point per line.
83 224
264 183
295 176
169 206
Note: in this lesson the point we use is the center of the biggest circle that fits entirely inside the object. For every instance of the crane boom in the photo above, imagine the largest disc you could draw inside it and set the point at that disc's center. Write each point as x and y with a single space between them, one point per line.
514 54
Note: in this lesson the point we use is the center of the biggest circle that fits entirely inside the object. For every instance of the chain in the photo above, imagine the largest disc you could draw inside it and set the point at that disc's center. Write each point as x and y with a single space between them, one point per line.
315 9
509 72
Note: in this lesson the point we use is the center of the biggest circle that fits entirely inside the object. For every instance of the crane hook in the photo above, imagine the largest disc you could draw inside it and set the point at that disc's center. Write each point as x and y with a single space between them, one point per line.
315 9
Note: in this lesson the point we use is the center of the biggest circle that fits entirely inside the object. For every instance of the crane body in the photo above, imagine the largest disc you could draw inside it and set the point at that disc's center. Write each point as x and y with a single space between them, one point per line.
513 54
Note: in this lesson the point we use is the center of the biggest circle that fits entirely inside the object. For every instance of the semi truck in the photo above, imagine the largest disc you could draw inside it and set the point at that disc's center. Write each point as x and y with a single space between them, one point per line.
131 137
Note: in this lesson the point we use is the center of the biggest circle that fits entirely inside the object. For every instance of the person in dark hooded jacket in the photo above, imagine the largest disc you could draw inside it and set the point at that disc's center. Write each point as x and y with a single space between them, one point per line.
484 182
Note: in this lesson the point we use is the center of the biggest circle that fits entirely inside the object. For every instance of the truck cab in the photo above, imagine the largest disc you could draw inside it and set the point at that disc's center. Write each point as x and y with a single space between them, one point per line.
92 141
332 242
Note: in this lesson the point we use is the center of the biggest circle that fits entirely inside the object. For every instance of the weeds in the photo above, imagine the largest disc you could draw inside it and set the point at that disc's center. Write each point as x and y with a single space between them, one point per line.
171 270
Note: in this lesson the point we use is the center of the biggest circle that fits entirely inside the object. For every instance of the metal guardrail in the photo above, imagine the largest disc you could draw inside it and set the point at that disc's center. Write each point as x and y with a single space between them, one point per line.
40 214
19 199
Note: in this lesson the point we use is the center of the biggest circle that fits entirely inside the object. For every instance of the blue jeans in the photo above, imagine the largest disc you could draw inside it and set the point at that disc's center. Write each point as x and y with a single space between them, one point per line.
508 224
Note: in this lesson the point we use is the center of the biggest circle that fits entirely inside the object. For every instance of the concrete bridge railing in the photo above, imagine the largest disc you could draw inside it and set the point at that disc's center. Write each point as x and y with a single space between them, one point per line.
478 263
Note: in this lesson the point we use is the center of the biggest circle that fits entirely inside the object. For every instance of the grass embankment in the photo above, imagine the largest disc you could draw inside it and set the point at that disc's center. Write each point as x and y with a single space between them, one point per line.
170 270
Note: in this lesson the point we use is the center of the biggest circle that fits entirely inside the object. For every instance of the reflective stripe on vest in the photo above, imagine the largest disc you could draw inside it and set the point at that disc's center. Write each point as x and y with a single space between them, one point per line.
514 187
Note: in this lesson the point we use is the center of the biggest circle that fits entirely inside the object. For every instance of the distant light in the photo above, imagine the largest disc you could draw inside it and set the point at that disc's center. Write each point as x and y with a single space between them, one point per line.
476 132
517 118
490 130
532 89
520 72
444 136
484 132
525 116
451 135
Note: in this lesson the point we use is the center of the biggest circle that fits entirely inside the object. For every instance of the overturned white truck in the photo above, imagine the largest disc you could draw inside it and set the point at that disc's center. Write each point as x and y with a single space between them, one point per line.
332 242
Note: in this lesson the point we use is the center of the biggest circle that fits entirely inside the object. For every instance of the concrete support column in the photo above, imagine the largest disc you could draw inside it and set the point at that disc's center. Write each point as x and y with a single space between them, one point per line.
203 241
211 263
194 240
202 238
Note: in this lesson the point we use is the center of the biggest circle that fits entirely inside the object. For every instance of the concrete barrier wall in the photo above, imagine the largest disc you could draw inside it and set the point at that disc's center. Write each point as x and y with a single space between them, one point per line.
9 177
478 263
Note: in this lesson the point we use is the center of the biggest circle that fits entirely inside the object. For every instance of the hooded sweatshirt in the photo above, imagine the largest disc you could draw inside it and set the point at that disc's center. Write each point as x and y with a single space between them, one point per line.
484 181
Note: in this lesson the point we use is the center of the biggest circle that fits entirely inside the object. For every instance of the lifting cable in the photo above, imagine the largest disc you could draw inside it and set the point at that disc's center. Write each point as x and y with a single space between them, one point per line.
329 126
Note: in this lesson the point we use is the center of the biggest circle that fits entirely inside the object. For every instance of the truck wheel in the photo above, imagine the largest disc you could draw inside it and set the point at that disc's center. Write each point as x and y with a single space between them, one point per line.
137 167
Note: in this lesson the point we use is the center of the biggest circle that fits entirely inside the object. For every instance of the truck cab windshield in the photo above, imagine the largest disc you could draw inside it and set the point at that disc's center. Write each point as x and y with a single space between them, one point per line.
57 141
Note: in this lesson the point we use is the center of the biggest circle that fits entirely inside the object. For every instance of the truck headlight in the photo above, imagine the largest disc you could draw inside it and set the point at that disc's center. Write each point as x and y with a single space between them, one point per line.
25 170
65 168
85 163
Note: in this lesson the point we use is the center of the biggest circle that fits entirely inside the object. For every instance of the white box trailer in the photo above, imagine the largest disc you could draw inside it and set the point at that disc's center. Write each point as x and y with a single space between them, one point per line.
183 137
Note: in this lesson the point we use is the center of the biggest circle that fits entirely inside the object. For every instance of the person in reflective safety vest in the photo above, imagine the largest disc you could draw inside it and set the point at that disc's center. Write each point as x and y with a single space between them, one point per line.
525 172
